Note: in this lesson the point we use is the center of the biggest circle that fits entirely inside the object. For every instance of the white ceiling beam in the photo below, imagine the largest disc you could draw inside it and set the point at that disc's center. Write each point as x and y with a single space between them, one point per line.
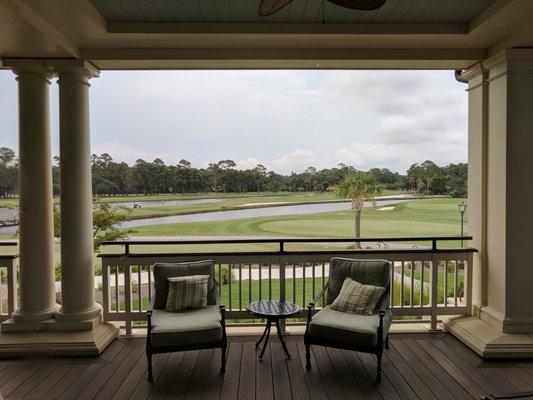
254 58
33 19
288 28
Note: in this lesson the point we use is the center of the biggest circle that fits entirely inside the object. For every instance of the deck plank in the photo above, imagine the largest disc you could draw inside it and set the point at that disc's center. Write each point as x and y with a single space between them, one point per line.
327 372
144 387
312 376
280 375
214 379
365 382
247 373
297 379
419 366
230 385
198 379
263 376
349 385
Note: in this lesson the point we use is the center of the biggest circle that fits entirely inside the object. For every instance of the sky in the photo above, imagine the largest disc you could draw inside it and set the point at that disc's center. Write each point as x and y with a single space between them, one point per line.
285 120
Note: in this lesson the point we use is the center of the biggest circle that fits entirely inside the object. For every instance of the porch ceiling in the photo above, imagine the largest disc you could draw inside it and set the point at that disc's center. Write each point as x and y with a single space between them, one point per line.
164 34
299 11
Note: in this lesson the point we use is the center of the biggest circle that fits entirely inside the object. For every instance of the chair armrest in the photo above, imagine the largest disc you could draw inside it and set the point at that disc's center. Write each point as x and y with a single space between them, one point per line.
318 297
150 309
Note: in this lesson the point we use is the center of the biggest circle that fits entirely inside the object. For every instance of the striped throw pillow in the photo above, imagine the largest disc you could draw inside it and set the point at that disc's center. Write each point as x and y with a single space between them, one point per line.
187 292
357 298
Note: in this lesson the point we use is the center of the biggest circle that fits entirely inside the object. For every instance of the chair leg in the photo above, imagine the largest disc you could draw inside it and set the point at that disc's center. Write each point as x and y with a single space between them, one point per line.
307 354
387 342
223 359
378 376
149 357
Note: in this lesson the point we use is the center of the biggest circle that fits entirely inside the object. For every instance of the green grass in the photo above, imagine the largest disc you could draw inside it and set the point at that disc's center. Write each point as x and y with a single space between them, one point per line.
424 217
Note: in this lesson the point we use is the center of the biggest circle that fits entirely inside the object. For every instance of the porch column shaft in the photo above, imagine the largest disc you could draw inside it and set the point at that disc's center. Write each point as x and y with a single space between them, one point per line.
77 260
36 235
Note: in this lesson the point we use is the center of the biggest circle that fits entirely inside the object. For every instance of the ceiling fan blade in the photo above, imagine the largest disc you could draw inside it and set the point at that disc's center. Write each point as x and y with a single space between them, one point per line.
359 4
269 7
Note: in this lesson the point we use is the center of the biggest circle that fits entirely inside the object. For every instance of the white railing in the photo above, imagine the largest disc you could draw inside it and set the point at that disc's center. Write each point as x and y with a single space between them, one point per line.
8 286
428 282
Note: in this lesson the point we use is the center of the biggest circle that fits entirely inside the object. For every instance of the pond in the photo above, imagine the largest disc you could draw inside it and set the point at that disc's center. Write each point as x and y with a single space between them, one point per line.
252 213
229 214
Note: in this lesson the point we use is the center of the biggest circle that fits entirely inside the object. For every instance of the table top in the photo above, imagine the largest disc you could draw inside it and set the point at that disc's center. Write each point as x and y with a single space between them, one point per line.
273 308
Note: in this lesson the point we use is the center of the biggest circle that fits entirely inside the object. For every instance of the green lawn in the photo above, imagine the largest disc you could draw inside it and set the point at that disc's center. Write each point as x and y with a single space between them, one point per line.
424 217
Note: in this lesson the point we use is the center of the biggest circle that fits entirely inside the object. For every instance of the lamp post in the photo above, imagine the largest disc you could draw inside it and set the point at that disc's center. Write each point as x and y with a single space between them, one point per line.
462 209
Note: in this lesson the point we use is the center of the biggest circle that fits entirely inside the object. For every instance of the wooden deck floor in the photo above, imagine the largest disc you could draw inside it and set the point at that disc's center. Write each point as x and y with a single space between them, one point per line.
423 366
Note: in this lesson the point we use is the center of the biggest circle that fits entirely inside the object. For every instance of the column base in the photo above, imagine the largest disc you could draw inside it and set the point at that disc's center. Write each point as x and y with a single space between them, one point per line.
49 325
57 343
23 317
79 316
488 341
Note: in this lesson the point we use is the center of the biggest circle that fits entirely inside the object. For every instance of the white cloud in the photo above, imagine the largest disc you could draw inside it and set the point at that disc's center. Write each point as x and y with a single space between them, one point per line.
248 163
297 160
285 120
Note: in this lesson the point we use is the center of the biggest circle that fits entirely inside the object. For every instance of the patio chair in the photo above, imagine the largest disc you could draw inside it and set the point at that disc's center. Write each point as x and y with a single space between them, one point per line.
342 330
191 329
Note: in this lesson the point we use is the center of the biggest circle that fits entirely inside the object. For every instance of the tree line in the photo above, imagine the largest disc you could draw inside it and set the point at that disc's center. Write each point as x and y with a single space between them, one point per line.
112 178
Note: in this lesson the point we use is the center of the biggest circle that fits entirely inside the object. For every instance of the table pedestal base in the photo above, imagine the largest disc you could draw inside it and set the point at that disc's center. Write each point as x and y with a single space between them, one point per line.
266 334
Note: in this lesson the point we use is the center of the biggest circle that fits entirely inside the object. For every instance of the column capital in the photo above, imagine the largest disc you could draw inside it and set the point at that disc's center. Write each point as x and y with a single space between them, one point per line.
29 68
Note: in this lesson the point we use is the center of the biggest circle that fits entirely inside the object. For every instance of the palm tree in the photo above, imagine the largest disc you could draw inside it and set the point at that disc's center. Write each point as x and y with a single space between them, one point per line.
359 186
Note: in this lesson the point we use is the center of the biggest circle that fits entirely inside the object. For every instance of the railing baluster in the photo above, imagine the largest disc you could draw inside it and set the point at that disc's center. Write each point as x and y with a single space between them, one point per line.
294 282
270 280
304 283
250 283
12 296
434 288
240 286
139 286
117 308
314 267
229 284
422 283
456 282
219 279
261 281
402 284
149 270
126 268
411 297
467 276
393 270
445 283
105 287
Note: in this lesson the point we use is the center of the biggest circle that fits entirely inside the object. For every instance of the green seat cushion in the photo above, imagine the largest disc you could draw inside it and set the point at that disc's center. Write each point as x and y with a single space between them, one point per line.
163 271
348 328
201 325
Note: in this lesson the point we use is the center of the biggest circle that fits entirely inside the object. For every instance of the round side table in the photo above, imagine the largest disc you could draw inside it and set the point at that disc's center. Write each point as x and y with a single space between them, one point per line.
273 311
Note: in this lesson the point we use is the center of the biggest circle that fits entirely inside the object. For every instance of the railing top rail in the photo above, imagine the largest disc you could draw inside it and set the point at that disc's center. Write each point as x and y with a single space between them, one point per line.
8 256
8 243
287 240
298 252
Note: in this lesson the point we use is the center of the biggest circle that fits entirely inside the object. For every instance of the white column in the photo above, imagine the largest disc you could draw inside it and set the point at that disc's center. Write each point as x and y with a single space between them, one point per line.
36 234
500 194
77 259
